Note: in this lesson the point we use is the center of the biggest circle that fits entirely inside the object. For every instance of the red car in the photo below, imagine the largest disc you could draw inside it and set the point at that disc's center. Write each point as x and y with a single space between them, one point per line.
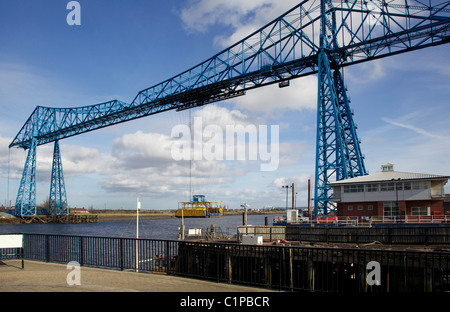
327 219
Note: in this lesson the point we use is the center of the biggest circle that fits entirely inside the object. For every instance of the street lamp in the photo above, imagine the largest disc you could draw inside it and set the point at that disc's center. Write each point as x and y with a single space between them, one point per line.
287 187
396 181
295 200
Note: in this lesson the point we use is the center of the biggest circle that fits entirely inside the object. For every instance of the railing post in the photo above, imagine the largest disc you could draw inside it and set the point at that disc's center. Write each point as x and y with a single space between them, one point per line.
168 255
291 269
229 266
121 253
280 266
47 248
81 251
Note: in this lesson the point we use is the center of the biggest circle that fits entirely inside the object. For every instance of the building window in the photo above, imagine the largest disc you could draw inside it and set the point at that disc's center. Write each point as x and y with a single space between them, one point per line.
355 188
349 208
387 187
370 207
420 185
420 211
391 209
406 186
372 188
360 207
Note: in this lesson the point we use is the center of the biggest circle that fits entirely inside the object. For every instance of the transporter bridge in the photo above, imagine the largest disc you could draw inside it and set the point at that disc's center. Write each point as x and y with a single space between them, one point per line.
316 37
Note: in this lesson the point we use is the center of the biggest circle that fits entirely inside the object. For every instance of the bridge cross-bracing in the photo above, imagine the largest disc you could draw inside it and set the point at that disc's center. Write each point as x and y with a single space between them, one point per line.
314 37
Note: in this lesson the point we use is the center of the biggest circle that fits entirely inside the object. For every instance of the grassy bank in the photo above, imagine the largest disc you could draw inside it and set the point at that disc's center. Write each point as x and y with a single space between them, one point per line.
124 215
118 215
9 221
112 215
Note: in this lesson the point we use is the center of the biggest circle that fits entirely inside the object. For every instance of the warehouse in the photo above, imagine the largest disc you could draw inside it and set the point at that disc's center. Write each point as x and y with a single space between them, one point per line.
389 193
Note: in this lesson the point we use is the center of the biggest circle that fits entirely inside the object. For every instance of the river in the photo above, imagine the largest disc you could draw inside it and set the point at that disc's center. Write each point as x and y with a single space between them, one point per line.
154 228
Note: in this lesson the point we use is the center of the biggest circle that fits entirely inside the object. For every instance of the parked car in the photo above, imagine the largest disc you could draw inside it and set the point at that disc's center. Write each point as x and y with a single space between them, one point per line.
303 219
327 219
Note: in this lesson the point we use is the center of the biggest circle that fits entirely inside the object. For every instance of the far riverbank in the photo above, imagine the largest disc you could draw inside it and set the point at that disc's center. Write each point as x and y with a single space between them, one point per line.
125 215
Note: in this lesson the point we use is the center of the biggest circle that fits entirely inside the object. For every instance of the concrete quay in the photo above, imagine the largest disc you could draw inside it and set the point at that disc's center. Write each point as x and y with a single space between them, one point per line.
52 277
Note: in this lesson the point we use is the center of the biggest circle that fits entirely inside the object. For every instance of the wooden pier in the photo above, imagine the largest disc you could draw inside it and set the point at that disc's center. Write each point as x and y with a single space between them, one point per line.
73 218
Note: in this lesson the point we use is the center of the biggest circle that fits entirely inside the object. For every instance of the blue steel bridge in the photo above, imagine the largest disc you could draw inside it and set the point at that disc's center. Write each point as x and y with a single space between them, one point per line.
316 37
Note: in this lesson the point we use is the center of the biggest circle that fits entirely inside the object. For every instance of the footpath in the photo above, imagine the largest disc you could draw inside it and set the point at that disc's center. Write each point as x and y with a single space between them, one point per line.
52 277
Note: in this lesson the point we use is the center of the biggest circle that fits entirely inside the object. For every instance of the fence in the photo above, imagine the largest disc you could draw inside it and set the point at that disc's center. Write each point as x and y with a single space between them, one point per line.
365 220
407 235
276 267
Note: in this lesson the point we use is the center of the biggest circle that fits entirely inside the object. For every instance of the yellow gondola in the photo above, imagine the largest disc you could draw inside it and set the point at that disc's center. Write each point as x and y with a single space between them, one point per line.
199 208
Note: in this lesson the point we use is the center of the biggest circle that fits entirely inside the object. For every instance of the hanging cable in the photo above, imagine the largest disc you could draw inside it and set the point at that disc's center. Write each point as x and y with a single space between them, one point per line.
7 185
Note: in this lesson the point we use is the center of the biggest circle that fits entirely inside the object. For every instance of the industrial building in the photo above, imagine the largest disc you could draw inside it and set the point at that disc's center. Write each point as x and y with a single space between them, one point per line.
390 193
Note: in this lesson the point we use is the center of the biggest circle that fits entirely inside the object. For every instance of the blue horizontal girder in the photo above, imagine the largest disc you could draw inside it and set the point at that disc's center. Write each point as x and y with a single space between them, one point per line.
287 48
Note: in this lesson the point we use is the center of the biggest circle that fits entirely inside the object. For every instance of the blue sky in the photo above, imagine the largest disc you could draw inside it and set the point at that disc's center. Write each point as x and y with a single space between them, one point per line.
121 47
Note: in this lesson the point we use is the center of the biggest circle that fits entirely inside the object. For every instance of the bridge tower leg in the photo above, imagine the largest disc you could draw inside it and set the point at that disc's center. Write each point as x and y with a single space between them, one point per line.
57 205
338 151
26 196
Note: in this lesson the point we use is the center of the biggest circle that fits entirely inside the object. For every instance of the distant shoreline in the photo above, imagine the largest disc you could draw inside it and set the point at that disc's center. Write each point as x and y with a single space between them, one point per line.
126 215
162 214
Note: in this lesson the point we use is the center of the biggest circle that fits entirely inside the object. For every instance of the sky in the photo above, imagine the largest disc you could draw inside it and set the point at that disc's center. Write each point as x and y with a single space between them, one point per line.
122 47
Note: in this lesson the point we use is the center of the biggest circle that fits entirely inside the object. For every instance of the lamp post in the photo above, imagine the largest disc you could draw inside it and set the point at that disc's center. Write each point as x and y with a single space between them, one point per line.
396 181
287 187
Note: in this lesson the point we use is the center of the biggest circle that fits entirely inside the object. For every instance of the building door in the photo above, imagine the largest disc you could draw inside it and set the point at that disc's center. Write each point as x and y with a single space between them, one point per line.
391 210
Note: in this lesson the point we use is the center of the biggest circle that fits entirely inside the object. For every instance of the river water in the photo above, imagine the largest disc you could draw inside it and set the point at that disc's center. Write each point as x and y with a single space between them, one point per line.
153 229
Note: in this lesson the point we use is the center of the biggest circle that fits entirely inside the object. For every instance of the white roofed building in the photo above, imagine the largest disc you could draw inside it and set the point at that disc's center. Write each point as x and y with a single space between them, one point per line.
390 193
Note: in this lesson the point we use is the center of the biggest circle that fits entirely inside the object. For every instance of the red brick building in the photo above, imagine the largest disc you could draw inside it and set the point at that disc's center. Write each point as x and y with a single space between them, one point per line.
391 194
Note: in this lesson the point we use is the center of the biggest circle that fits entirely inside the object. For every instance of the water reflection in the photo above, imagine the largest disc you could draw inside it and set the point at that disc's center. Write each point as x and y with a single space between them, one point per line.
155 229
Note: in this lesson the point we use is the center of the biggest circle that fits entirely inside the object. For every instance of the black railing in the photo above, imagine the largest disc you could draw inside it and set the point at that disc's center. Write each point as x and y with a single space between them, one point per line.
391 235
276 267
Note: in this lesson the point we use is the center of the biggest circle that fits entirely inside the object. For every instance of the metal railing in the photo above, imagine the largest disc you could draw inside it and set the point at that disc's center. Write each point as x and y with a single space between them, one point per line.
390 235
276 267
364 220
410 219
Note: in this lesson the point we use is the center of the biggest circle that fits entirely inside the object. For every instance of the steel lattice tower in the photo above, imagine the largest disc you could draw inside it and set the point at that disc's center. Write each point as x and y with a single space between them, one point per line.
338 151
57 199
26 196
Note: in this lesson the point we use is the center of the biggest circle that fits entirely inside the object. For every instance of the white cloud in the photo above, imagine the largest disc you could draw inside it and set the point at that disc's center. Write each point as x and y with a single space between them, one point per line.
80 160
300 95
202 14
11 159
243 17
142 150
221 116
300 181
143 162
414 128
368 72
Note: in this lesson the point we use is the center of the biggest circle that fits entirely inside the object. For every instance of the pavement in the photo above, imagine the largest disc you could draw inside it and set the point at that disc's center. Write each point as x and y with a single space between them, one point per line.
52 277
